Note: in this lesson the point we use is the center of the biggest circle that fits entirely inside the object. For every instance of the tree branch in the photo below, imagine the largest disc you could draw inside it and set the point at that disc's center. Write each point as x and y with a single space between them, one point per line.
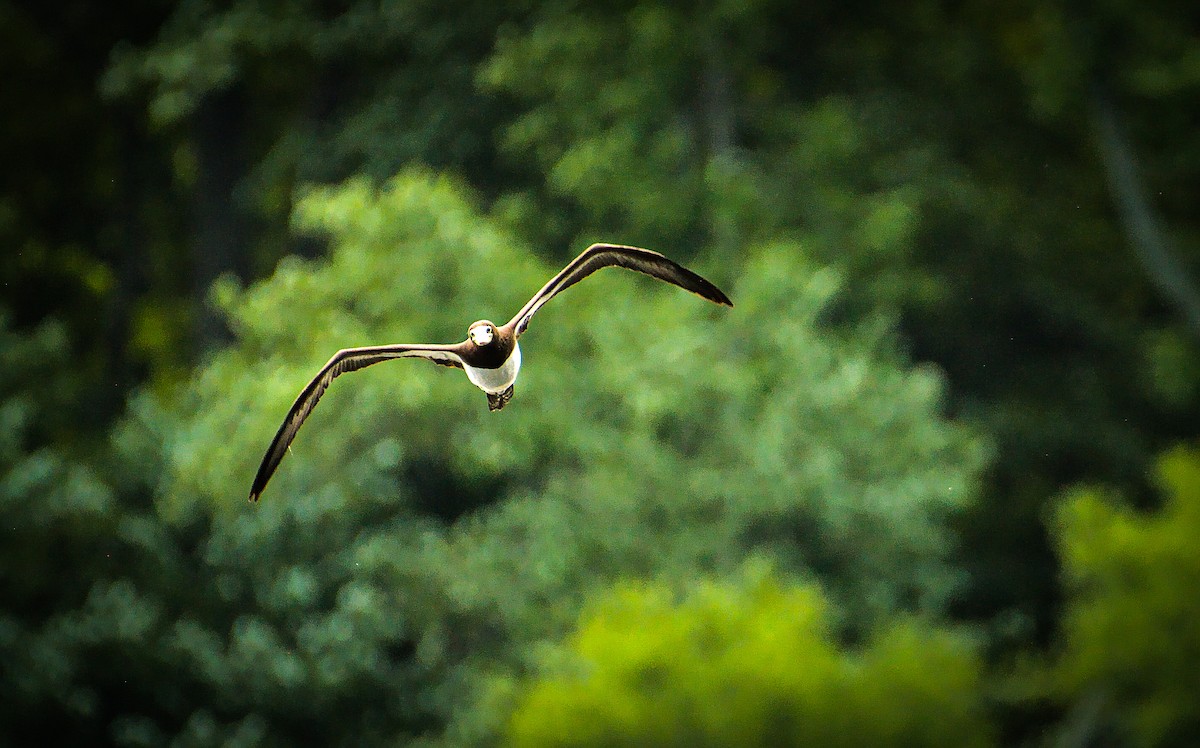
1142 226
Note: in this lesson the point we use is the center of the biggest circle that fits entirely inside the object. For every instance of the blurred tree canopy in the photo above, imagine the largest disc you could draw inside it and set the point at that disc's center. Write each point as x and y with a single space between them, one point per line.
961 240
754 664
1130 639
384 581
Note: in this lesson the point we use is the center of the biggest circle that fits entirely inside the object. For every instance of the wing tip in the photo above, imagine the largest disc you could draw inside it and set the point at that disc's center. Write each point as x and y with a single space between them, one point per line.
256 491
708 290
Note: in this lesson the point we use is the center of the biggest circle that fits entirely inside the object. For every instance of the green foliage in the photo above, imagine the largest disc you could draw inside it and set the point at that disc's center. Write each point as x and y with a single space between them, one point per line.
1131 630
862 178
46 489
957 185
753 662
660 153
56 518
341 91
414 545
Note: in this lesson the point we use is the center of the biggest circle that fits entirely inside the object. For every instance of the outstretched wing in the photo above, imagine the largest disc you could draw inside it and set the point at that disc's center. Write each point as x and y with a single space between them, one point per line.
604 255
348 359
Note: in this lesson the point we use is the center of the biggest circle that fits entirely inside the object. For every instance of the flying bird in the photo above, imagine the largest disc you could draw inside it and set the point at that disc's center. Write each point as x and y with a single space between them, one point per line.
490 354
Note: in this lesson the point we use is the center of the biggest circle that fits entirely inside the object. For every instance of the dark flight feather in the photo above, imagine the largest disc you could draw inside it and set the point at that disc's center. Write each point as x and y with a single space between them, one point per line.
348 359
600 256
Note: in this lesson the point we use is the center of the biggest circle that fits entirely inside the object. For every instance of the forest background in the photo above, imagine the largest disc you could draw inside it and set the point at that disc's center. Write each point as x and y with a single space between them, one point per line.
932 481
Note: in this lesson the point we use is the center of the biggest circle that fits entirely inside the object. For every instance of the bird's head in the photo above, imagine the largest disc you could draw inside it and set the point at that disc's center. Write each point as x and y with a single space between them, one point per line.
482 333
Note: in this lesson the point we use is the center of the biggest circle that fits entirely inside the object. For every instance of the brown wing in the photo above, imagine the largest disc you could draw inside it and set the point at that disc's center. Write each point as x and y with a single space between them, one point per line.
348 359
604 255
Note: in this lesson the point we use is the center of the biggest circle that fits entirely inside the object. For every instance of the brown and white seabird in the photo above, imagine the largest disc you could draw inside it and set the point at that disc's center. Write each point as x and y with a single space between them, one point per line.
490 354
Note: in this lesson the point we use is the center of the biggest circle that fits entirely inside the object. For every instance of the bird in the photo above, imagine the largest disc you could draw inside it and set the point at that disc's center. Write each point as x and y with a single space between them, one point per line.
490 355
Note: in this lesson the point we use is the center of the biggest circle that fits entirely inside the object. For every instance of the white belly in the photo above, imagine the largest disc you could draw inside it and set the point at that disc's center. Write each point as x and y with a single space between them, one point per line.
496 380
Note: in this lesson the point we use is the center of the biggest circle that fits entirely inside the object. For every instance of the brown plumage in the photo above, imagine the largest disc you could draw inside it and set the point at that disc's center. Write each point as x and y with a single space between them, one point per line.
490 354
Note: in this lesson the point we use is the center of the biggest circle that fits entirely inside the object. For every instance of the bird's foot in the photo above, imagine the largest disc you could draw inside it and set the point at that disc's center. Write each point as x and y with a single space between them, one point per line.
500 399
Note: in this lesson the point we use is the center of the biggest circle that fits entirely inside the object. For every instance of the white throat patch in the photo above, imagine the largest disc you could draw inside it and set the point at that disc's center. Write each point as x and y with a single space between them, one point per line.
481 335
